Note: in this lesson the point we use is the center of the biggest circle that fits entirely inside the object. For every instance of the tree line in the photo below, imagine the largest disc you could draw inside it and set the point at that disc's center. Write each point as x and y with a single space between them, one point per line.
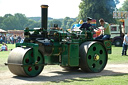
88 8
98 9
19 21
124 6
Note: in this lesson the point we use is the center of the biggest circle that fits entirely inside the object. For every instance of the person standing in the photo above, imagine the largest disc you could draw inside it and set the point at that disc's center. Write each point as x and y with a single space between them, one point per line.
1 39
125 43
19 39
11 39
105 34
15 39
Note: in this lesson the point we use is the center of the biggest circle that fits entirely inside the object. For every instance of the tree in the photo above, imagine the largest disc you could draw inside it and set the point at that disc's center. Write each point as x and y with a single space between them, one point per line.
67 23
124 6
22 20
97 9
55 21
64 22
7 15
33 24
11 23
50 23
1 19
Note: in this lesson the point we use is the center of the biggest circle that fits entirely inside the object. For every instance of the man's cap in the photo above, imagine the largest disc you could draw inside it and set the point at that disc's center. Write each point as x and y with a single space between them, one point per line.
89 18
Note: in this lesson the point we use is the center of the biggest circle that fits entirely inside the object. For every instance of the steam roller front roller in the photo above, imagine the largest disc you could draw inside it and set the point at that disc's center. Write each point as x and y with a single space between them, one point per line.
21 62
93 57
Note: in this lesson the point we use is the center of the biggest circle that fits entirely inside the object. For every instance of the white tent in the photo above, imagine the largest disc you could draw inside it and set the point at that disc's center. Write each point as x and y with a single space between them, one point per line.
2 31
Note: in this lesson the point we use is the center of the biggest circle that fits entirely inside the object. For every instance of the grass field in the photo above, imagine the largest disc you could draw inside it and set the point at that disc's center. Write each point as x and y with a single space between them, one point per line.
116 57
113 58
103 80
4 57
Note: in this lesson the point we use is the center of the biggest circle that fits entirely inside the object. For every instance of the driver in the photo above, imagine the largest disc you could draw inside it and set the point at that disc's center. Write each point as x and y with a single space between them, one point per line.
86 25
105 34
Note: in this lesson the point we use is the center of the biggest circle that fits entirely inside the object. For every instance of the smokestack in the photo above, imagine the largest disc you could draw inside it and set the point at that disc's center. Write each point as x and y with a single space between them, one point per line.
44 16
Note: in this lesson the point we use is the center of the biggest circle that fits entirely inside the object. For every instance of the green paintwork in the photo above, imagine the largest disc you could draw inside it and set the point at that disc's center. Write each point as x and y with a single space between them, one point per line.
66 51
65 47
29 60
73 54
63 50
108 45
96 64
56 46
70 55
65 55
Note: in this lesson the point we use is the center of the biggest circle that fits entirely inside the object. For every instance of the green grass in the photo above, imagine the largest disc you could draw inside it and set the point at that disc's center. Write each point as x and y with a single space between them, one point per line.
4 57
116 56
11 46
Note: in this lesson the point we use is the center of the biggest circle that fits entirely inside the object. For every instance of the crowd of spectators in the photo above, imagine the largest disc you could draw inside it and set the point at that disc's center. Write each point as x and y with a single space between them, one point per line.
10 39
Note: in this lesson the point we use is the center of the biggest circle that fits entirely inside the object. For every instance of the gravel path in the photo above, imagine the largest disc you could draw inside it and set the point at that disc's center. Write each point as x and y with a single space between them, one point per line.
51 73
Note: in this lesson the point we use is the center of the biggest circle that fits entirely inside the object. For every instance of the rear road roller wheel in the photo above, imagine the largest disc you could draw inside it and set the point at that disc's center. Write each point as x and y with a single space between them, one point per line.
93 57
24 56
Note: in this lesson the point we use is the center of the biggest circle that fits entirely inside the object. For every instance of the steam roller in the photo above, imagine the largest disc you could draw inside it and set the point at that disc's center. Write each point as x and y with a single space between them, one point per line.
24 56
93 56
76 50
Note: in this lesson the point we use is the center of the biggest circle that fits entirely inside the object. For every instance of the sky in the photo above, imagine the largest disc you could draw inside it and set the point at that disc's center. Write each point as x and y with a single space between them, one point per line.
31 8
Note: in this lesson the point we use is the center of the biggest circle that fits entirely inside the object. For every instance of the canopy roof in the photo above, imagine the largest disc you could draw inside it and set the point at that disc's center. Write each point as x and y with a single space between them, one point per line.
2 31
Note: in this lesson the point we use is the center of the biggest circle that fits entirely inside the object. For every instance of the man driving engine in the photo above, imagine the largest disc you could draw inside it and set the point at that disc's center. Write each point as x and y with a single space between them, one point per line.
86 25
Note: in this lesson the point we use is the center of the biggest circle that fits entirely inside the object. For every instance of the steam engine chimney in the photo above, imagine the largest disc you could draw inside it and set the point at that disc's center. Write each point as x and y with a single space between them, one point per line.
44 16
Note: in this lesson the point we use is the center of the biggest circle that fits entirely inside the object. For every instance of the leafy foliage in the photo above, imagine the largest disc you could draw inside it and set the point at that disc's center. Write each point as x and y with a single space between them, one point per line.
125 6
17 21
67 23
97 9
20 21
54 21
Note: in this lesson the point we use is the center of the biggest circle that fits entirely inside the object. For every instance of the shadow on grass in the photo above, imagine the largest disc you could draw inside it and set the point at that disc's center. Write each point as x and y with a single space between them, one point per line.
72 75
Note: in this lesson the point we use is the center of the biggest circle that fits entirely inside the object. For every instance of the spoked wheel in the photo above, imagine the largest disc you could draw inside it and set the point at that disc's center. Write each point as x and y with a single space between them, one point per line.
24 56
93 57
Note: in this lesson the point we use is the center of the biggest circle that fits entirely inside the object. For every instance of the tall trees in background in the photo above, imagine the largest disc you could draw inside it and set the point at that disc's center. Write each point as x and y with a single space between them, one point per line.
88 8
97 9
54 21
125 6
67 23
20 21
17 21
